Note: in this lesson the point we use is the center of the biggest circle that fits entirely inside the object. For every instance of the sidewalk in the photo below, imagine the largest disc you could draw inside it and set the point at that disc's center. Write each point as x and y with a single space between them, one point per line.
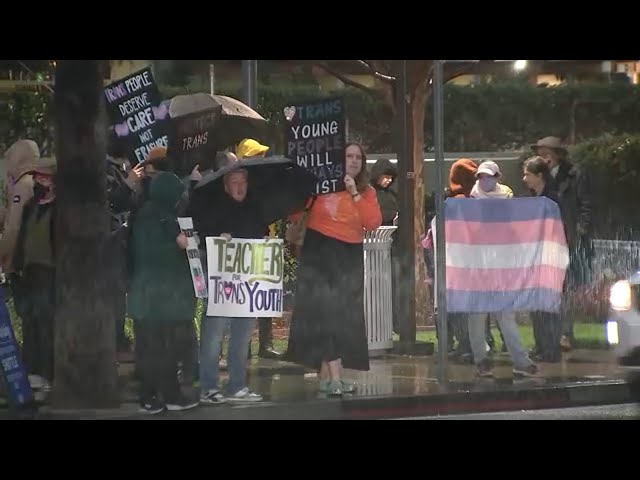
400 386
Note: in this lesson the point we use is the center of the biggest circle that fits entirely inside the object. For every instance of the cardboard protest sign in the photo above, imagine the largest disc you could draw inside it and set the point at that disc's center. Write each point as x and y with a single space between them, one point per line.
315 139
137 114
245 277
13 370
193 255
191 140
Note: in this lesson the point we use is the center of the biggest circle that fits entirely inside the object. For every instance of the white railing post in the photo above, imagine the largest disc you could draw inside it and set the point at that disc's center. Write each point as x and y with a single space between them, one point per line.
378 298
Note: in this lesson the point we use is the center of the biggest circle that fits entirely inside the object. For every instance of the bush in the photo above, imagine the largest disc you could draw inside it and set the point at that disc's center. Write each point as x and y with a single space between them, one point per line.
613 164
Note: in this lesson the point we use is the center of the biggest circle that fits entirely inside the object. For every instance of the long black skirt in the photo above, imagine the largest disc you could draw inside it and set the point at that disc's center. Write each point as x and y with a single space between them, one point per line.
328 317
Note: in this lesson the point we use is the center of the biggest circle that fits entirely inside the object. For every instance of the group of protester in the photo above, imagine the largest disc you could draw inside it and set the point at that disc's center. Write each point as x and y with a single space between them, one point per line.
547 173
327 332
155 288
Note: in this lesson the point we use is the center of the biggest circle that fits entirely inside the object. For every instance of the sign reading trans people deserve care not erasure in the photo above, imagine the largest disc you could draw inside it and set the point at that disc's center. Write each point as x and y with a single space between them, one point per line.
137 114
245 277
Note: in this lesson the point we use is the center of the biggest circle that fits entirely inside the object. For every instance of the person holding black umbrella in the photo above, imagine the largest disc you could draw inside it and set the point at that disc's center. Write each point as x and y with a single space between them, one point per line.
247 196
233 216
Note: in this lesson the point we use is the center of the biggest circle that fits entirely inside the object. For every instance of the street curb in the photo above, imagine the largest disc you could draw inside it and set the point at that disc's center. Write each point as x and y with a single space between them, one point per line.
461 402
606 392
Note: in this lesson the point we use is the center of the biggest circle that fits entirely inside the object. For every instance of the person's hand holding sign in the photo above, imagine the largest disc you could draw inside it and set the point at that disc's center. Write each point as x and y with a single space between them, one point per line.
196 176
135 174
350 184
182 241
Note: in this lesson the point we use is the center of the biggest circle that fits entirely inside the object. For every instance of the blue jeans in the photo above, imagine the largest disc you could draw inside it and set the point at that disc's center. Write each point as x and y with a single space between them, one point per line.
211 336
510 333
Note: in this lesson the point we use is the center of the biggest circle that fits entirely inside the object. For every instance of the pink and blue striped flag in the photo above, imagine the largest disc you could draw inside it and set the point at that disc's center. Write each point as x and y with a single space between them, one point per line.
504 255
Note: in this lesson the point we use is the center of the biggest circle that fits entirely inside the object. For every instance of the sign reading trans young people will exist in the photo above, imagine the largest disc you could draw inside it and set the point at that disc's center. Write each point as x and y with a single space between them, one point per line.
245 277
137 113
316 136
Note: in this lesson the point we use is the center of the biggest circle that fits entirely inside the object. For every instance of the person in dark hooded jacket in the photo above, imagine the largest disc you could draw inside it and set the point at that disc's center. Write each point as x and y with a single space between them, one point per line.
161 294
383 176
572 186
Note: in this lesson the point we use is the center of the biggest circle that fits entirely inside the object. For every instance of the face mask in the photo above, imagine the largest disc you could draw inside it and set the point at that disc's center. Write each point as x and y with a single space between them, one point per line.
39 191
554 171
488 184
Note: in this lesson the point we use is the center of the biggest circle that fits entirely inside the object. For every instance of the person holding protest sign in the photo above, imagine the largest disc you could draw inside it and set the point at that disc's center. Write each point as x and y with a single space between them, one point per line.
122 188
249 148
328 330
161 297
232 217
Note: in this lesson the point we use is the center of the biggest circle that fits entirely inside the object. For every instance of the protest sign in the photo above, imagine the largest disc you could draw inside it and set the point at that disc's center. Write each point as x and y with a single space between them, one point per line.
245 277
315 140
193 255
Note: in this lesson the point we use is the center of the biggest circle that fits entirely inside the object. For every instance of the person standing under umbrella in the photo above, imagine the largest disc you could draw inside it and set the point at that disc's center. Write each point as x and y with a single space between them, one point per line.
249 148
232 216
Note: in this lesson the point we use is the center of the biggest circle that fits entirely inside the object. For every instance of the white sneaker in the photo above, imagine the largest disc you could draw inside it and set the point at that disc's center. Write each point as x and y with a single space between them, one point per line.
38 382
244 396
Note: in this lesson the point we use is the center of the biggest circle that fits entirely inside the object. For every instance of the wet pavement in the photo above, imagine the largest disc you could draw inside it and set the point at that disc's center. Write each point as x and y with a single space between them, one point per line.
403 386
629 411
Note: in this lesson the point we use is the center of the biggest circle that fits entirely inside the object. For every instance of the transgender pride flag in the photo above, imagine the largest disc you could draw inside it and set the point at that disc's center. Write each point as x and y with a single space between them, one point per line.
504 255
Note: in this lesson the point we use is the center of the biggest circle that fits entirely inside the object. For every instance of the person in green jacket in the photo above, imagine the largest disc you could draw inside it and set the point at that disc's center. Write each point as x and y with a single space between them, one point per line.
161 294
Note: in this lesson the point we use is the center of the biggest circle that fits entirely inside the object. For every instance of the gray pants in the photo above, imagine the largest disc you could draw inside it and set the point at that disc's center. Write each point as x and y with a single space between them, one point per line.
510 333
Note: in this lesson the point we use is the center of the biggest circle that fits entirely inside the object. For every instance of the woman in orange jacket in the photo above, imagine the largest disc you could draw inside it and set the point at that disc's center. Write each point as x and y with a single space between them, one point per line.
328 330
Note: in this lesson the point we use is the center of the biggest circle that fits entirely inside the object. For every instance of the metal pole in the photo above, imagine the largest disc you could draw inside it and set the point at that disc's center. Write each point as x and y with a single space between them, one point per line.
250 82
441 278
405 286
212 79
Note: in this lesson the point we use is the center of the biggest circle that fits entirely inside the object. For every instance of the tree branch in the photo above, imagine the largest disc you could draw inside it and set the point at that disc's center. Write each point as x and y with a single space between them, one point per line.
420 73
375 71
346 80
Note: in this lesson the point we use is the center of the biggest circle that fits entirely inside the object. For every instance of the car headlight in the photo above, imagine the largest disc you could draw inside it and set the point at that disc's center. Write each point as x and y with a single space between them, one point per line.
620 296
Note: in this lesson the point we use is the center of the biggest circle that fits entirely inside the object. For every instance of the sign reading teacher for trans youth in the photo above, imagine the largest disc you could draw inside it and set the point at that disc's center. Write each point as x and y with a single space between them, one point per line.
245 277
137 113
316 136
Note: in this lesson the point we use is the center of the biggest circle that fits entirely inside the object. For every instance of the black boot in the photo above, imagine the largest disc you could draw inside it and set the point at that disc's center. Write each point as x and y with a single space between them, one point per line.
265 337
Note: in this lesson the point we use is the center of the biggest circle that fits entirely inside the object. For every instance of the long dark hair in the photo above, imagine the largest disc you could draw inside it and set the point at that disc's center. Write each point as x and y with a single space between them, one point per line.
362 179
538 165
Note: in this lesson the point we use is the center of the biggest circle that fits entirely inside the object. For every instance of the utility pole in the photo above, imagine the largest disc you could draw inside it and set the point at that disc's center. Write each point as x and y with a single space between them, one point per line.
441 282
250 82
405 286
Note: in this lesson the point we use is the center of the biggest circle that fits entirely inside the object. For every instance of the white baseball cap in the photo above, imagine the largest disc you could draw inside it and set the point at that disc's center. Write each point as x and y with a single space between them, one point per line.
489 168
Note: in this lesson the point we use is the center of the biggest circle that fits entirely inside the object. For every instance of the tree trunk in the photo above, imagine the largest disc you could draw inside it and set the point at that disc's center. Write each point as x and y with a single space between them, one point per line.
85 351
417 108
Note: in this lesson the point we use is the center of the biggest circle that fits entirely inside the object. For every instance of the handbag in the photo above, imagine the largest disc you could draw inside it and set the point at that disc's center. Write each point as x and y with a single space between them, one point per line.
296 231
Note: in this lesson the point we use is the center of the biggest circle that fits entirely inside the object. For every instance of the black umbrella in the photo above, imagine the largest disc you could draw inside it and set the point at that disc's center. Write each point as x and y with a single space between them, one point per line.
237 120
277 186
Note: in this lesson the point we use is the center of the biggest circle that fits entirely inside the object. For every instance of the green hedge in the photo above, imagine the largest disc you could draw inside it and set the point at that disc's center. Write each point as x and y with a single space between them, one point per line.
613 162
